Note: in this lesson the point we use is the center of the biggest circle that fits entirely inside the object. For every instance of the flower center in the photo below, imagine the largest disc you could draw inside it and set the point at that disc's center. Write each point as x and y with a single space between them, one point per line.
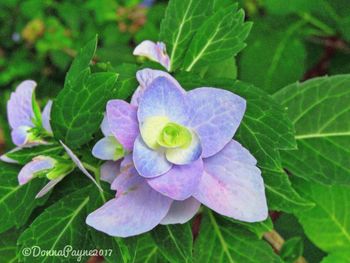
174 135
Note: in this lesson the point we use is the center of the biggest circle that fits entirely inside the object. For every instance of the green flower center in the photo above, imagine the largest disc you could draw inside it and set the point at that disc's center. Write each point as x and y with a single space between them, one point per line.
174 135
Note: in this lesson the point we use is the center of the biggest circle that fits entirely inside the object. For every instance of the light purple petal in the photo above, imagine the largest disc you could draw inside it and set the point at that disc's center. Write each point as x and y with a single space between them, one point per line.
145 78
105 149
121 183
180 182
79 164
105 127
46 116
185 156
38 164
109 171
149 163
216 116
19 107
49 186
163 98
122 120
136 209
232 185
153 51
181 211
20 135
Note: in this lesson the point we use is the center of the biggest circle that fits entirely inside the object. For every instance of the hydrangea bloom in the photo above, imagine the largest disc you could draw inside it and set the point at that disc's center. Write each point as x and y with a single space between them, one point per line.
182 154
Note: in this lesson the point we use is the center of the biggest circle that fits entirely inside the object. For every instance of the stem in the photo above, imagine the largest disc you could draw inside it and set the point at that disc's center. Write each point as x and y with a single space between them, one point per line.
96 172
277 241
317 23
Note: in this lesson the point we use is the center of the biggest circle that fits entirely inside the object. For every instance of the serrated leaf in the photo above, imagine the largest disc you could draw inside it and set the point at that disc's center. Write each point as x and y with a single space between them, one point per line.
174 242
222 241
147 251
78 110
259 228
17 202
8 248
25 155
275 55
327 224
127 82
221 36
320 111
60 225
182 19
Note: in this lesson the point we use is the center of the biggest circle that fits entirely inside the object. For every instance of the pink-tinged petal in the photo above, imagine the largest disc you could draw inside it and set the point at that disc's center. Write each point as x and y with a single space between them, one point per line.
38 164
149 163
46 116
49 186
180 182
122 120
153 51
163 98
127 170
19 107
7 159
20 135
182 156
79 164
216 116
109 171
232 185
136 209
105 127
145 78
181 211
106 149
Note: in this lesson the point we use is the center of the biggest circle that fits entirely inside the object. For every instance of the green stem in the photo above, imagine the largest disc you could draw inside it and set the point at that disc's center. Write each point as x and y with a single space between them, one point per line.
96 172
317 23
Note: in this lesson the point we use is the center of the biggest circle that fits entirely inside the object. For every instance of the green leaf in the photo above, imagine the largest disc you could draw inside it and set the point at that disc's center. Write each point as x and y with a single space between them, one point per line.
222 241
8 248
174 242
275 55
147 251
221 36
327 224
259 228
17 202
25 155
341 257
127 82
320 111
292 249
182 19
60 225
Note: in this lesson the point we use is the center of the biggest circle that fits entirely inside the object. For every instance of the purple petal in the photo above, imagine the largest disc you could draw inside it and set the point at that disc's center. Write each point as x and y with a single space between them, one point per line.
149 163
122 120
153 51
49 186
185 156
109 171
136 209
79 164
19 107
105 149
163 98
180 182
46 116
181 211
38 164
232 185
216 116
145 78
105 127
20 135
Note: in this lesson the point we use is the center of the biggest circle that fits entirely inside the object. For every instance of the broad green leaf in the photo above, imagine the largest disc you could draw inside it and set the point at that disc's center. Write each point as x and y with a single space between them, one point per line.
275 55
264 130
25 155
341 257
292 249
127 82
8 248
259 228
147 251
327 224
319 109
60 225
182 19
223 69
221 36
174 242
78 110
17 202
221 241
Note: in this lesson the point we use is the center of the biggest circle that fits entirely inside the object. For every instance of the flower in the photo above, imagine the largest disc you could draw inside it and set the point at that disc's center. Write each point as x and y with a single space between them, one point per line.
182 154
153 51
